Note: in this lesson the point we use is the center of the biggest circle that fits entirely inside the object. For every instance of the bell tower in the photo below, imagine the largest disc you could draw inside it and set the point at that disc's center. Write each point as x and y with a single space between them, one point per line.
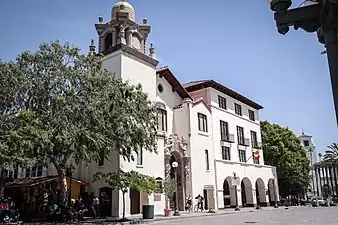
123 43
122 29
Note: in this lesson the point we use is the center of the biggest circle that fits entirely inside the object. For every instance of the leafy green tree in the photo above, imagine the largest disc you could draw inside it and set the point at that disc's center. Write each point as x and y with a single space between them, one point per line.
121 181
282 148
169 189
59 106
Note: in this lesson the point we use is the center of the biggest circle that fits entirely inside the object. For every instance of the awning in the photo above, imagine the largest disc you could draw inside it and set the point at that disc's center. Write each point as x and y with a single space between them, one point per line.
33 181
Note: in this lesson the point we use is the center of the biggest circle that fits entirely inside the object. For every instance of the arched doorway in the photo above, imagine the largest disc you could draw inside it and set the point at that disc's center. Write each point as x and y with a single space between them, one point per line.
106 194
272 191
260 192
246 191
226 194
176 157
229 193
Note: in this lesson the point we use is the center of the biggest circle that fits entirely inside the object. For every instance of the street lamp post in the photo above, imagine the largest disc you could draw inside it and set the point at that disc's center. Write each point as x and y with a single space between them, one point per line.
274 193
71 169
235 180
320 16
176 213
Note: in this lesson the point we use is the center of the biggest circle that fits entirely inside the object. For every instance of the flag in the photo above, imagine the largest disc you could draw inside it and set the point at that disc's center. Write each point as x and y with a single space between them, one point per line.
256 155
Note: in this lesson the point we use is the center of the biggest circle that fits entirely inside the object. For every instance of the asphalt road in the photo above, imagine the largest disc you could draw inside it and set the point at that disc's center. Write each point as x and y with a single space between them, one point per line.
292 216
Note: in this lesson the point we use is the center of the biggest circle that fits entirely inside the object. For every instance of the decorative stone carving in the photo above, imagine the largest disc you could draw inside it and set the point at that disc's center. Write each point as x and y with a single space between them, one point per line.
174 144
167 170
121 34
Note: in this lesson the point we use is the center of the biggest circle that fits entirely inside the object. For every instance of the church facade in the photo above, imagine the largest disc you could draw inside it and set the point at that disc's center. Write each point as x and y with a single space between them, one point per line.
212 132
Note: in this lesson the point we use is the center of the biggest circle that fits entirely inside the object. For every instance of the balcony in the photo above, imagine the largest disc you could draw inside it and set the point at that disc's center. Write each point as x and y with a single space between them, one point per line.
244 141
228 138
257 145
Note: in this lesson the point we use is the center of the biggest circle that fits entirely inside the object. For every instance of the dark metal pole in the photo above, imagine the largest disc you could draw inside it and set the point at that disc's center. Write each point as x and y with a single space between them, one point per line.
176 213
331 45
70 188
235 181
322 17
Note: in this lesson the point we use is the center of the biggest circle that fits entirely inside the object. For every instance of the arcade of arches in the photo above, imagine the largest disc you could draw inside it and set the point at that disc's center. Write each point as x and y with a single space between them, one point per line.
246 192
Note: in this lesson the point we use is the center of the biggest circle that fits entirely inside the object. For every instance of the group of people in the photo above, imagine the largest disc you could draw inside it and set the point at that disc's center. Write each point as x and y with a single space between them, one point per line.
8 210
199 205
95 206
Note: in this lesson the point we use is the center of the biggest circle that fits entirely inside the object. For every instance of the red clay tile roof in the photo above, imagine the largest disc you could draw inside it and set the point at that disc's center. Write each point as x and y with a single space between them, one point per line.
197 85
192 83
175 84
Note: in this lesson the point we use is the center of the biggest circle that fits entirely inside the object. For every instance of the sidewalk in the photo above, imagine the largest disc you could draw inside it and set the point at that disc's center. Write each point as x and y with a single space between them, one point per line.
137 219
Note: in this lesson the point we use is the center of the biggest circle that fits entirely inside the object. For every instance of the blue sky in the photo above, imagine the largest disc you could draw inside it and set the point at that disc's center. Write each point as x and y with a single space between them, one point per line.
233 42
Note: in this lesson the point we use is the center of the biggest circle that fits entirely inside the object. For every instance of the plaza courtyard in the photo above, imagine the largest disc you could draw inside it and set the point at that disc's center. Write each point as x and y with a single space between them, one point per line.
291 216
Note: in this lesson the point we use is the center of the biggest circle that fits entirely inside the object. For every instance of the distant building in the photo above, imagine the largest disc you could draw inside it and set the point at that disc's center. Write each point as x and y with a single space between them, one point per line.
309 145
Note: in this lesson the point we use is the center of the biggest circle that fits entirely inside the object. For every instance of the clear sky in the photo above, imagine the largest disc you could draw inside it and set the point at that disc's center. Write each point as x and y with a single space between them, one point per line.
233 42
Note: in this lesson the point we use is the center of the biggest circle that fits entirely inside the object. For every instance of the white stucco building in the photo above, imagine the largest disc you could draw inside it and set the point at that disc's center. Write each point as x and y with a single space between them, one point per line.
212 131
310 147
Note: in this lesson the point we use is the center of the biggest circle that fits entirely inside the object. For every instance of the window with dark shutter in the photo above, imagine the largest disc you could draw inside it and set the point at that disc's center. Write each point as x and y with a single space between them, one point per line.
240 135
224 130
162 119
202 122
251 115
238 109
222 102
242 155
226 153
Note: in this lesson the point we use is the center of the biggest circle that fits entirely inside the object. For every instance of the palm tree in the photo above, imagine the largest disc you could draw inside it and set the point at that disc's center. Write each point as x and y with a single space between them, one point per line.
331 155
332 152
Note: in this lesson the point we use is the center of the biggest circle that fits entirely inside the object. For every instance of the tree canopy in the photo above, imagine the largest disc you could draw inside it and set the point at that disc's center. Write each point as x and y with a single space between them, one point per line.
58 105
282 148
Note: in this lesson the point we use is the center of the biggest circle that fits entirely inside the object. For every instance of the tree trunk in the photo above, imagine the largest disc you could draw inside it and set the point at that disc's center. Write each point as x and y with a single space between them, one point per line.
167 203
63 186
123 206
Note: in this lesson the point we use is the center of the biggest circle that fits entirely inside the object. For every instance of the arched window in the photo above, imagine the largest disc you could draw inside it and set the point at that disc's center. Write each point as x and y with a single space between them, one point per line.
108 41
161 117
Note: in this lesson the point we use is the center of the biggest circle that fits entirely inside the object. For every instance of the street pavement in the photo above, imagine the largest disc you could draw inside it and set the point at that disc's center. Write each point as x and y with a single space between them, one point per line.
267 216
281 216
